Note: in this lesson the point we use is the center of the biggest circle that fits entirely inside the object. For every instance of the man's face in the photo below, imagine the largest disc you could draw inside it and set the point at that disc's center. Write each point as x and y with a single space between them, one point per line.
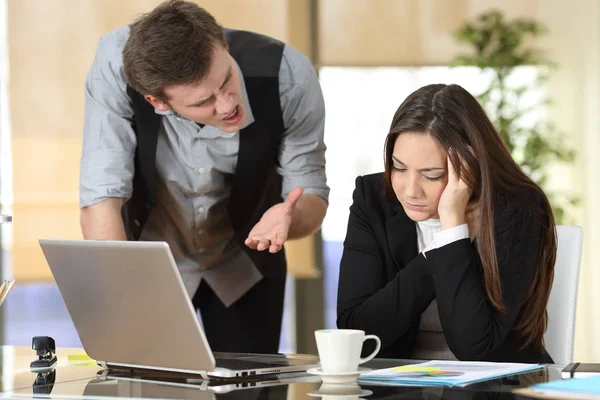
216 101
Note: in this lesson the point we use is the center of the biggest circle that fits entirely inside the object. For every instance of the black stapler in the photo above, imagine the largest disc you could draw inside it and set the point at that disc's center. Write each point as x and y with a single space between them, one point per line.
45 349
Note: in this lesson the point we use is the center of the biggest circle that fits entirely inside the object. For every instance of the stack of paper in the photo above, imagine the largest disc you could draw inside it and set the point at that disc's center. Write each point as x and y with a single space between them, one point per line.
5 288
574 388
445 373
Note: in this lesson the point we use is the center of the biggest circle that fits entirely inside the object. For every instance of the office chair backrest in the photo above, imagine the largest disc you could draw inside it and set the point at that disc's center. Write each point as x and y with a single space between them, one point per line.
562 306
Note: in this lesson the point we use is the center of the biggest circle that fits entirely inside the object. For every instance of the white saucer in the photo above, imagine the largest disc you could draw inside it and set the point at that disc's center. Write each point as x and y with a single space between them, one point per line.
340 390
338 377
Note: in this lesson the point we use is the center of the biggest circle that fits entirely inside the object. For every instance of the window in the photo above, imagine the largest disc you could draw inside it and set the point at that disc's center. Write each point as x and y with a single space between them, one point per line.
6 198
360 104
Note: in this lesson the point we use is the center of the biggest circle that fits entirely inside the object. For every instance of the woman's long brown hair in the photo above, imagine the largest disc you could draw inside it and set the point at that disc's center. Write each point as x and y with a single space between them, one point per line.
454 117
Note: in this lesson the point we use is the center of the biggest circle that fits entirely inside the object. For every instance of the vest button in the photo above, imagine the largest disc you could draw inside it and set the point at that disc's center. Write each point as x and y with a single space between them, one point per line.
137 222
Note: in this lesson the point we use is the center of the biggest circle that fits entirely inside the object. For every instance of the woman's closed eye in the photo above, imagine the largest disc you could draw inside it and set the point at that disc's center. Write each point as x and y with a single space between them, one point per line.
426 177
433 178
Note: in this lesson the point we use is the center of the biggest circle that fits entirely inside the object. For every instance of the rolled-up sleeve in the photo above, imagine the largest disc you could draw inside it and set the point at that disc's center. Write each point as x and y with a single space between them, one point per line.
106 168
302 152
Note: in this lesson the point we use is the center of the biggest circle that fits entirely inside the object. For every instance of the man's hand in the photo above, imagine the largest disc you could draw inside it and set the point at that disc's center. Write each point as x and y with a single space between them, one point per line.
273 228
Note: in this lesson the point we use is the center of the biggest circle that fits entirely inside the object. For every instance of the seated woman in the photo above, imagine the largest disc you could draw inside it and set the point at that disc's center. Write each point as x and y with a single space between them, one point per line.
450 252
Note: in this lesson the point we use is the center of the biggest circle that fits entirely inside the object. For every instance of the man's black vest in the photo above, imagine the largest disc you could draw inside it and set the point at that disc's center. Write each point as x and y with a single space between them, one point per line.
256 184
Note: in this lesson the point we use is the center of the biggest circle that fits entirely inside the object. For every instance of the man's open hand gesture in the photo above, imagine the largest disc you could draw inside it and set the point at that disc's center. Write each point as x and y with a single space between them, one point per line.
273 228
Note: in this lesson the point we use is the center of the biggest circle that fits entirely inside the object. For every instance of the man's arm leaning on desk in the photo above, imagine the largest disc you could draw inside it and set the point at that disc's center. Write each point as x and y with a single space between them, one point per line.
109 142
102 221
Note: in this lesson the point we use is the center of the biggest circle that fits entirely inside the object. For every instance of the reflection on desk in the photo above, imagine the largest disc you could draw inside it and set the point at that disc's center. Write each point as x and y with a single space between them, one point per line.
44 382
81 381
173 382
16 374
159 390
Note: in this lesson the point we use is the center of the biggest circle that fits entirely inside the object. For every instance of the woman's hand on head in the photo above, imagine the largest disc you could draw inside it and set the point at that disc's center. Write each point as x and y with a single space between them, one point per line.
452 207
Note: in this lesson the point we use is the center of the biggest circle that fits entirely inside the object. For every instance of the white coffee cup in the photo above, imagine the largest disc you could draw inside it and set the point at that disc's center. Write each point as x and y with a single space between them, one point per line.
339 349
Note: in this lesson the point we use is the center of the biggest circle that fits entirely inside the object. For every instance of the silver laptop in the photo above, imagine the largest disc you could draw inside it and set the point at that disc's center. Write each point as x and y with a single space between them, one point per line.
131 310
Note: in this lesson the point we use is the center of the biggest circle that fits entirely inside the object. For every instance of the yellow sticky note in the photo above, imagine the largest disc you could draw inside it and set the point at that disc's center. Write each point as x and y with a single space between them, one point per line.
80 359
78 356
414 368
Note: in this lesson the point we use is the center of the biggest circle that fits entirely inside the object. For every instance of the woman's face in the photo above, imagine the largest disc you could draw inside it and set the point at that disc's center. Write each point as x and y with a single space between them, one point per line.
419 174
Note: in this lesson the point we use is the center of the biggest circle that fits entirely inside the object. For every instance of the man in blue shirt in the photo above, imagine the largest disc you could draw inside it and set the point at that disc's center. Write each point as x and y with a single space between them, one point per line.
227 165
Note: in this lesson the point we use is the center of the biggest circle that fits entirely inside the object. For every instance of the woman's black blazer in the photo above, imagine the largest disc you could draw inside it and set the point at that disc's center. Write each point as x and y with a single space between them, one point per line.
385 284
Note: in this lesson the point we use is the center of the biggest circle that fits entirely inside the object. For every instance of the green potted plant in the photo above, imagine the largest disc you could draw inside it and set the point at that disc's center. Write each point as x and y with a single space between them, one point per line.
500 47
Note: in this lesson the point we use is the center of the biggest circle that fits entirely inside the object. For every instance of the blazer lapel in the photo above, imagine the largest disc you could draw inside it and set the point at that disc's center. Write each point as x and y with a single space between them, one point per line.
402 237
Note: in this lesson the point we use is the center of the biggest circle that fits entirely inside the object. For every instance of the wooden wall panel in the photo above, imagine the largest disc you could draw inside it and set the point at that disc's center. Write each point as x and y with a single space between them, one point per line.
51 46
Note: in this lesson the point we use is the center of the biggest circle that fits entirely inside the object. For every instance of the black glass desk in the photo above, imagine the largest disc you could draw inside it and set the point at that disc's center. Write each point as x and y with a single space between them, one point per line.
85 380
